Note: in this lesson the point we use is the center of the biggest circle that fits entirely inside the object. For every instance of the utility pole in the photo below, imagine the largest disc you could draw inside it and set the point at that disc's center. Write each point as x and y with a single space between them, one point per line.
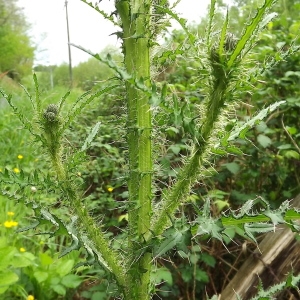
69 47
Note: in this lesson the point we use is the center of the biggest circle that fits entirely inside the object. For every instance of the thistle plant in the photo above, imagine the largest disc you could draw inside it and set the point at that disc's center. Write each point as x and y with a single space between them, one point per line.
224 57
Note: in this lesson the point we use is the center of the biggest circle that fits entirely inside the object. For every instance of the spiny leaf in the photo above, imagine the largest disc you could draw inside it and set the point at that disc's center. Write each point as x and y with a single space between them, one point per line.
62 101
31 226
79 99
92 249
240 130
223 36
209 226
72 232
234 150
169 55
169 243
62 228
75 245
291 281
37 95
292 215
250 32
251 229
181 21
267 19
91 136
89 260
102 12
72 114
210 23
108 61
28 95
219 151
123 75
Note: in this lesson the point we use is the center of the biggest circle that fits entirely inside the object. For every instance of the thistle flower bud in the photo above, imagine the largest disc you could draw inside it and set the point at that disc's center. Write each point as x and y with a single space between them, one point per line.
230 42
51 112
52 108
49 116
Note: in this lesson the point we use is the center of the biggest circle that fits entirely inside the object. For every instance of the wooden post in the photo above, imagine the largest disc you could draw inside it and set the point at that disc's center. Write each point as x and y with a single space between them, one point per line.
276 256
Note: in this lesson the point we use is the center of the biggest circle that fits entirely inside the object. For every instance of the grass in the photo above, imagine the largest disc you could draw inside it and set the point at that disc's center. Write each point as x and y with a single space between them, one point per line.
16 153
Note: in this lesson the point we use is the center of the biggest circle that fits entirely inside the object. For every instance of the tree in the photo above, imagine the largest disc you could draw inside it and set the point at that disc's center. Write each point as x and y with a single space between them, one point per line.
17 52
92 72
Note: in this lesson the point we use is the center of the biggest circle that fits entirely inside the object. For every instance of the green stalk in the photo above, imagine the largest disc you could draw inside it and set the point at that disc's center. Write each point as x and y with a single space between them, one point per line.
135 23
176 195
190 173
51 123
101 243
87 224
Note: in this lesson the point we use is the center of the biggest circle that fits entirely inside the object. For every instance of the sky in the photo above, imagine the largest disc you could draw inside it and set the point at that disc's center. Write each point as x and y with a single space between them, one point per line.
87 27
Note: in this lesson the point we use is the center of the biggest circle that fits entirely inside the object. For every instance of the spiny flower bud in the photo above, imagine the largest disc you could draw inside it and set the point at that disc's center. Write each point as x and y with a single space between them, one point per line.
51 112
52 108
230 42
49 116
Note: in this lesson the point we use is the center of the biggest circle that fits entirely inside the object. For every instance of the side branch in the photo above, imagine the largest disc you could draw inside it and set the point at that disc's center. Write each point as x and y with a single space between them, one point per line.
94 233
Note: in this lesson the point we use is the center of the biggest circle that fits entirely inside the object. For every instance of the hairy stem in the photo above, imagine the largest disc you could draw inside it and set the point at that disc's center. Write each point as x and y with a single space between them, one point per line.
190 173
135 23
89 226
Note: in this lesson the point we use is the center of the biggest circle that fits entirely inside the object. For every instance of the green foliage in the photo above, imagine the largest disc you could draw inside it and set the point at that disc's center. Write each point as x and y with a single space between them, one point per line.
86 75
16 48
292 281
26 267
272 171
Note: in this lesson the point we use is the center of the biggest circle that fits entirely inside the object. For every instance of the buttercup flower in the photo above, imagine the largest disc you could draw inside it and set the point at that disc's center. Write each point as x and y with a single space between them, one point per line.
22 249
10 224
30 297
10 213
110 189
16 170
20 156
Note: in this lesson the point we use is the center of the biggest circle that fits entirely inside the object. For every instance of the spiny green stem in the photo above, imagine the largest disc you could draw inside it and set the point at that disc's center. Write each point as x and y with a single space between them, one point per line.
137 63
190 173
94 233
87 224
135 24
180 190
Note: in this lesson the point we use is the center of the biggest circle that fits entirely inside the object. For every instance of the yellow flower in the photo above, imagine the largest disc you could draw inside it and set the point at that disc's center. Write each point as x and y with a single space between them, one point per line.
20 156
22 249
110 189
10 213
30 297
16 170
9 224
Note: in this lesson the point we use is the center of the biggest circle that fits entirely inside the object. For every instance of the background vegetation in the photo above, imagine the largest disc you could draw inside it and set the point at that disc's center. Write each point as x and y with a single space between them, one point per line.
29 265
17 51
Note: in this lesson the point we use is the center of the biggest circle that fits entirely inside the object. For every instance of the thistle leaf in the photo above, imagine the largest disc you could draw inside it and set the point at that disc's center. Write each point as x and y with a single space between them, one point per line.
250 32
87 143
